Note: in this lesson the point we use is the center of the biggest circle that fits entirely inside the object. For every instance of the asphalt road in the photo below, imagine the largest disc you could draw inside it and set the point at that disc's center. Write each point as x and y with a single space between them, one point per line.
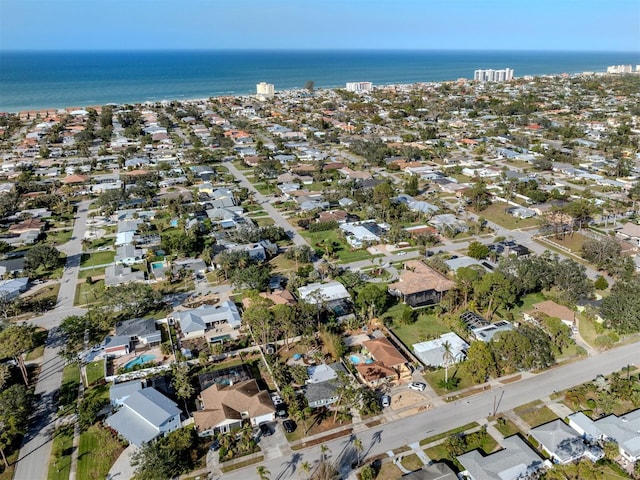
277 217
33 461
440 419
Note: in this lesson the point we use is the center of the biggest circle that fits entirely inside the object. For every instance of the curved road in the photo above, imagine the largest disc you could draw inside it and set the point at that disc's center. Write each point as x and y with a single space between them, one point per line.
33 461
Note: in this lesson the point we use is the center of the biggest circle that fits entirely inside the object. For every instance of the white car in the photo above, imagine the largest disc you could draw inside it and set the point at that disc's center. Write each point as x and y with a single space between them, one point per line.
419 386
401 253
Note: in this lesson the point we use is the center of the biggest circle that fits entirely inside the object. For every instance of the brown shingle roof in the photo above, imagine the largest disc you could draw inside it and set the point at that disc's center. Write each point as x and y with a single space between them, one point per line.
223 403
418 277
375 371
384 352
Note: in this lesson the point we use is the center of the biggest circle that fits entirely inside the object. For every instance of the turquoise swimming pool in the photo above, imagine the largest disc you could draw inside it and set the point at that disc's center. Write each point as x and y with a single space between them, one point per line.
139 360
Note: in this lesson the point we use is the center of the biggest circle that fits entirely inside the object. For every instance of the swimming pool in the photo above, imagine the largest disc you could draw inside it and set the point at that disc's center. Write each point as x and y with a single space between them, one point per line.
157 265
139 360
355 359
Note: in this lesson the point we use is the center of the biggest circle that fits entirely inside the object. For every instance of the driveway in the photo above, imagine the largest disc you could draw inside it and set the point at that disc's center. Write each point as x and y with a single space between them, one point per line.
122 469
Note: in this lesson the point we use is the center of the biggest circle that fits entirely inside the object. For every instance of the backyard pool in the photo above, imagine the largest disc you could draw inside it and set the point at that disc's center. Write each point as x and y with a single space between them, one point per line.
144 358
157 265
355 359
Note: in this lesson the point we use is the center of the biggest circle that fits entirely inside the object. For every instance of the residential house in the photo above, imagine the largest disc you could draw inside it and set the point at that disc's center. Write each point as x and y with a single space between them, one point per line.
129 255
12 266
388 363
563 444
321 387
358 234
631 233
433 353
145 415
10 289
140 332
432 471
217 323
420 285
333 295
224 407
29 225
119 392
552 309
624 430
516 461
448 224
120 275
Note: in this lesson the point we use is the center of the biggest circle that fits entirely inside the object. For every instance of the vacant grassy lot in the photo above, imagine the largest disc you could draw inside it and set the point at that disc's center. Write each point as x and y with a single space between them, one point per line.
95 371
89 293
98 450
60 464
535 413
341 249
59 237
572 242
496 213
435 438
97 258
426 326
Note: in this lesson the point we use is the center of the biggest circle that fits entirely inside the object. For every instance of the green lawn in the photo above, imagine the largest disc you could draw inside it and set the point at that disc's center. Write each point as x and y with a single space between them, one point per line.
437 376
102 242
86 293
91 272
412 462
527 304
264 221
535 413
40 338
506 427
59 237
98 450
435 438
572 242
496 213
475 440
426 326
95 371
97 258
69 388
341 249
60 463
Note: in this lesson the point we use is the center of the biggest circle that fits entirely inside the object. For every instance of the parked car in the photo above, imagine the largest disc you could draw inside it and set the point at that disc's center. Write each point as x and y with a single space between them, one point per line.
385 400
215 446
419 386
401 253
265 430
289 426
281 411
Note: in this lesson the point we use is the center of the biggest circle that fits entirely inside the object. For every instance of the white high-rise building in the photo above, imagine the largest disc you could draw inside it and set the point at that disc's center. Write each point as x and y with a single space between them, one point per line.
491 75
265 90
359 87
620 69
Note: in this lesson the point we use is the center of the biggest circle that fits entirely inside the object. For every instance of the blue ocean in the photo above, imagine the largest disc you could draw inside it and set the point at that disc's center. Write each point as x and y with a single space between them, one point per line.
38 80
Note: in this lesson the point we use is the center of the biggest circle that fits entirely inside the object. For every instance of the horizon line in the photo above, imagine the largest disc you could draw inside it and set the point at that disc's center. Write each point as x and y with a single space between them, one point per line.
311 50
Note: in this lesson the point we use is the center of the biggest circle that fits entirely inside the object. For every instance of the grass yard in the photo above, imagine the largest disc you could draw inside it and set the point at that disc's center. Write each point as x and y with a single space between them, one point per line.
264 221
97 258
588 329
40 337
60 463
102 242
535 413
435 438
95 371
91 272
506 427
496 213
59 237
434 378
572 242
424 328
89 293
476 440
527 304
69 388
389 471
341 249
7 473
283 264
412 462
98 450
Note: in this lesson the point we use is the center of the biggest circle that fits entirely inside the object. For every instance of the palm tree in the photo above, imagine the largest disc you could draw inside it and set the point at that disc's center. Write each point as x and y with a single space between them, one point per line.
359 447
447 357
263 473
305 467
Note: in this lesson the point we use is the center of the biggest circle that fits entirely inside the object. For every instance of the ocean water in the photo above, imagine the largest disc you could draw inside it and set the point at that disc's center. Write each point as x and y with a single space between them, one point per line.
38 80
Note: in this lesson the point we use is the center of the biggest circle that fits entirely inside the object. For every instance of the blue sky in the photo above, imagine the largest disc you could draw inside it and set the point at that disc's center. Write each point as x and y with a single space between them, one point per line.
612 25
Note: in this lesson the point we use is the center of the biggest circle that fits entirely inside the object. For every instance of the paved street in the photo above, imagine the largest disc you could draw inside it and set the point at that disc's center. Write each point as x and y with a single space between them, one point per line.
33 462
277 217
411 429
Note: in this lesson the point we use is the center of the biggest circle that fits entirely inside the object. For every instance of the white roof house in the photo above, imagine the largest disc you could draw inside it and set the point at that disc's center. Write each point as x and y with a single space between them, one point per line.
432 352
145 414
515 461
315 293
624 430
195 322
